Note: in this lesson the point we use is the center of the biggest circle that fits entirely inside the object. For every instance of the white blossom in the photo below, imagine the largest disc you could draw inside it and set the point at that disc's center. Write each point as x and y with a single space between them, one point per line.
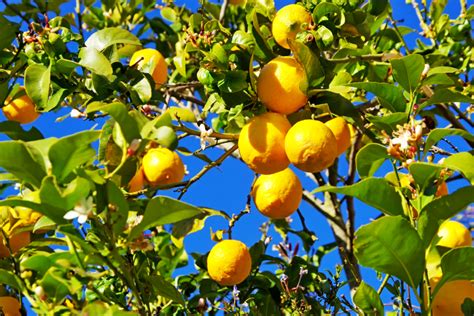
75 113
82 210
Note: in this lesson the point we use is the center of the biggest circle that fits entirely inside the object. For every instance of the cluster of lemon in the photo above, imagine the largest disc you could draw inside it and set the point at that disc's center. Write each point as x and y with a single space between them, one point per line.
268 144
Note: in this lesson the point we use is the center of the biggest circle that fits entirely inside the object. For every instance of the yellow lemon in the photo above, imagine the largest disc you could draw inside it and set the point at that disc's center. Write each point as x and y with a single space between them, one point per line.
162 166
21 110
277 195
442 189
280 84
10 306
261 143
153 59
229 262
311 146
342 132
449 298
453 234
288 21
137 182
16 241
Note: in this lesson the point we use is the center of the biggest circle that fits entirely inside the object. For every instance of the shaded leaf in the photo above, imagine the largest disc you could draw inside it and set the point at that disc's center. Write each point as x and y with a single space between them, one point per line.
446 96
310 62
462 162
166 289
15 131
95 61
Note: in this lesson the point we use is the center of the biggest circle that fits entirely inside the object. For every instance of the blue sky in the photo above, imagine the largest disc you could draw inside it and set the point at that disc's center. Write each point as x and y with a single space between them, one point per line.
226 188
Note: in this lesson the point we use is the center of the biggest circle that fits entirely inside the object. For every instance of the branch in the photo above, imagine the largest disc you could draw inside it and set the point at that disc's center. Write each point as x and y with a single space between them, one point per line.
246 210
376 57
15 11
191 131
206 168
223 9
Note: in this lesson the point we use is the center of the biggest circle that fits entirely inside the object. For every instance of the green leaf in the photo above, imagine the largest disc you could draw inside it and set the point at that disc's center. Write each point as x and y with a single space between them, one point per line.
15 131
437 134
370 158
337 103
368 300
456 264
262 50
388 122
437 211
7 32
407 71
10 279
119 215
462 162
162 210
310 62
446 96
233 81
37 82
182 114
95 61
119 112
325 8
376 192
166 289
70 152
391 245
425 174
21 161
107 37
57 285
389 95
162 120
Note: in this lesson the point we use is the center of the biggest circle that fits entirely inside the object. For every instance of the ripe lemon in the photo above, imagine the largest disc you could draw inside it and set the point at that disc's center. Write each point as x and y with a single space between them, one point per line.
442 189
229 262
277 195
21 110
453 234
279 85
449 298
237 2
153 59
262 143
17 241
162 166
10 306
288 21
341 131
137 182
311 146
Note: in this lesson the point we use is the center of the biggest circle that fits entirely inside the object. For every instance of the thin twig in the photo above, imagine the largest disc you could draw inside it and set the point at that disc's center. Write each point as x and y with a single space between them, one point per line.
246 210
375 57
191 131
206 168
225 4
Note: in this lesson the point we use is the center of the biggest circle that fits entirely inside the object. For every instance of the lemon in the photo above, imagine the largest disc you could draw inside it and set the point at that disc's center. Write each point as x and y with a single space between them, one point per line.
261 143
288 21
229 262
21 110
453 234
342 132
10 306
279 85
16 241
449 298
162 166
153 62
137 182
277 195
442 189
311 146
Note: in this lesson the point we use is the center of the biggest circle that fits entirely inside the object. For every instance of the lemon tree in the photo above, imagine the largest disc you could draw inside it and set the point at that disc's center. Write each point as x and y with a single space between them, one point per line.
346 125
